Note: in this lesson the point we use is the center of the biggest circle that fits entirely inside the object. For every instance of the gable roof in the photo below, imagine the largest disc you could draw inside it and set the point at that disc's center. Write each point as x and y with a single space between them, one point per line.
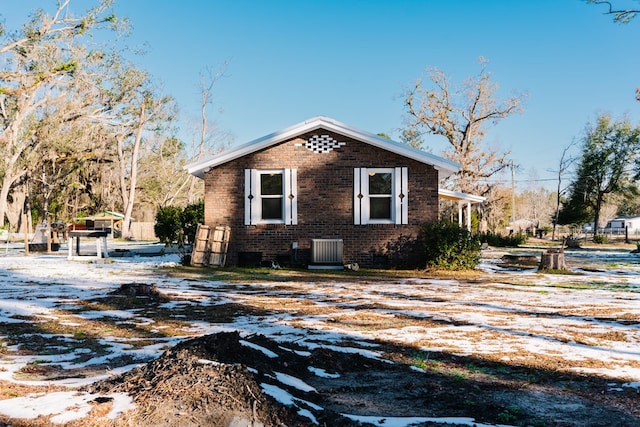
444 166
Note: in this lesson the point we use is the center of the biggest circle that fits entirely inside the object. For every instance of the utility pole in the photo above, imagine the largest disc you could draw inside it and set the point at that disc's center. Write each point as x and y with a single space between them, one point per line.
513 194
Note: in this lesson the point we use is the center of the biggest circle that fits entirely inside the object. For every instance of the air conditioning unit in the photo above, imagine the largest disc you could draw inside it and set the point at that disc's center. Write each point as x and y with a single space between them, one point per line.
326 253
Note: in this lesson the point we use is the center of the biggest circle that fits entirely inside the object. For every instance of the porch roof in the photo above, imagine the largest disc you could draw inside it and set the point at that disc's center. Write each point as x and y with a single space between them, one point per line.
459 196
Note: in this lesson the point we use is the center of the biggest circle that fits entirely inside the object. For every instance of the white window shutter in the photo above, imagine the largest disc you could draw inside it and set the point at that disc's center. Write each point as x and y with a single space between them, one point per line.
356 194
248 197
360 192
405 199
291 196
251 199
397 195
401 183
364 190
256 205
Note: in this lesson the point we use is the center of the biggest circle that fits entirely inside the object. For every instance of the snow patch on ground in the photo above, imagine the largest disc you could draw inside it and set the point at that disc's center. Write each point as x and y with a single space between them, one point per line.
63 406
508 318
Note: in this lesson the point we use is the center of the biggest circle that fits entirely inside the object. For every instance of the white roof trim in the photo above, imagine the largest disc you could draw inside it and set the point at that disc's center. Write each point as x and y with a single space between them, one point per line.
444 166
456 195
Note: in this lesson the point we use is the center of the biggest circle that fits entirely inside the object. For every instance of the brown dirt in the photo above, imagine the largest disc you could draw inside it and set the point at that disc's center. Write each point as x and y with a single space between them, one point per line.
181 389
218 380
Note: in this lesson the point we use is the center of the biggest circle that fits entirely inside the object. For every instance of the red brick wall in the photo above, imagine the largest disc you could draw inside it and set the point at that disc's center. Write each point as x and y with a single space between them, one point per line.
325 200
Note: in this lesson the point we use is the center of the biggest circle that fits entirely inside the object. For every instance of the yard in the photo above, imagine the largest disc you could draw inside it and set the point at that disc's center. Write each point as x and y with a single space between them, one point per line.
83 344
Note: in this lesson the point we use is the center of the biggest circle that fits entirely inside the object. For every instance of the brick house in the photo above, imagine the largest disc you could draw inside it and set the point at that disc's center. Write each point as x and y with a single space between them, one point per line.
320 182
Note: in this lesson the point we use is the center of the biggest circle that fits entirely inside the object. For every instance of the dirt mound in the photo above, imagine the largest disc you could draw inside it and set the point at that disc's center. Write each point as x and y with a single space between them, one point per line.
226 380
138 289
220 380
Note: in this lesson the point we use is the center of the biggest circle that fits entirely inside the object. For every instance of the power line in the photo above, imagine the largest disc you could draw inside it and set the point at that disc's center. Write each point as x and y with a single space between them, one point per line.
507 181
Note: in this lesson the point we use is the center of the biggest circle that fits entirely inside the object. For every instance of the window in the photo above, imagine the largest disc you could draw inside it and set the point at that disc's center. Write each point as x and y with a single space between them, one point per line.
380 195
270 197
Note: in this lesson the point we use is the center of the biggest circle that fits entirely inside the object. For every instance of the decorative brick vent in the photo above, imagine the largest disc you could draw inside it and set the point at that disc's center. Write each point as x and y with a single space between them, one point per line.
322 144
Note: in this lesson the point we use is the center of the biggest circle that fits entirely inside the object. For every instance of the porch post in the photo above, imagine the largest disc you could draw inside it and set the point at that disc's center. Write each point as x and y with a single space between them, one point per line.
468 215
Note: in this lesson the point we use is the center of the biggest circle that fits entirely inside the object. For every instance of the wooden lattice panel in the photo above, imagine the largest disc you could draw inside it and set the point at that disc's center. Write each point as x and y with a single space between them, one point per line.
322 144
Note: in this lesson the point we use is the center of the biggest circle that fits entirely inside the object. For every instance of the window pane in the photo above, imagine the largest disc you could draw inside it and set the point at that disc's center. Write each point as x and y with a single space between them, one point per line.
380 183
271 184
380 208
272 208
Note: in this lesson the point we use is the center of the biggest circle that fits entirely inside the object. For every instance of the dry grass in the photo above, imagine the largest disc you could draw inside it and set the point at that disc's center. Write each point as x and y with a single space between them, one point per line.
285 292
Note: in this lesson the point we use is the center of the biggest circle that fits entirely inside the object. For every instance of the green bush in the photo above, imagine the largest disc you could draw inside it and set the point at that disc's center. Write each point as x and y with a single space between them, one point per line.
191 216
600 239
449 247
543 231
168 226
403 252
498 240
178 225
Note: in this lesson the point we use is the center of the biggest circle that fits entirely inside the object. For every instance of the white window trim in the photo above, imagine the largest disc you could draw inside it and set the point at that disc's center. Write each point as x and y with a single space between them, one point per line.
399 196
369 172
252 197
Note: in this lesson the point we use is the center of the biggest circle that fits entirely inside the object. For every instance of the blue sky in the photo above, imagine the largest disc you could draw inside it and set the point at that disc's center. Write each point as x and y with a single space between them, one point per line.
353 60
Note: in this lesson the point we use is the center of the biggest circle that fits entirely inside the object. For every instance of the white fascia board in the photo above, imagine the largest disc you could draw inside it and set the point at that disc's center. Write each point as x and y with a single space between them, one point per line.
459 196
444 166
199 168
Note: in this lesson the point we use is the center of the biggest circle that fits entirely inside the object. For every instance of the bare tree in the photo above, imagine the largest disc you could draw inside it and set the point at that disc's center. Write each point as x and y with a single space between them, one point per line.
139 111
39 63
535 205
207 83
461 116
620 16
563 166
495 214
162 175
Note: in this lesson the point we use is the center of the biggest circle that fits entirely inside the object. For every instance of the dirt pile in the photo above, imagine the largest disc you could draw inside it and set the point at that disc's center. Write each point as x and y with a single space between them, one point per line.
220 380
225 380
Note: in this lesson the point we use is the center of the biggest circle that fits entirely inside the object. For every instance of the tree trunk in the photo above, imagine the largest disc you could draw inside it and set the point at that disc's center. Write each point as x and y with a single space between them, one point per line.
558 202
5 190
552 260
122 160
16 208
596 216
206 93
133 179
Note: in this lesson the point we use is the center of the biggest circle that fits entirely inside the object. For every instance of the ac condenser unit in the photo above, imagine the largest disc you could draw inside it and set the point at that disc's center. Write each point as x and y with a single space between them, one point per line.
326 253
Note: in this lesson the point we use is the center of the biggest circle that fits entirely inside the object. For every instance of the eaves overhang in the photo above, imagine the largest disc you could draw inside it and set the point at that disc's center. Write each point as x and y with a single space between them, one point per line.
445 167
